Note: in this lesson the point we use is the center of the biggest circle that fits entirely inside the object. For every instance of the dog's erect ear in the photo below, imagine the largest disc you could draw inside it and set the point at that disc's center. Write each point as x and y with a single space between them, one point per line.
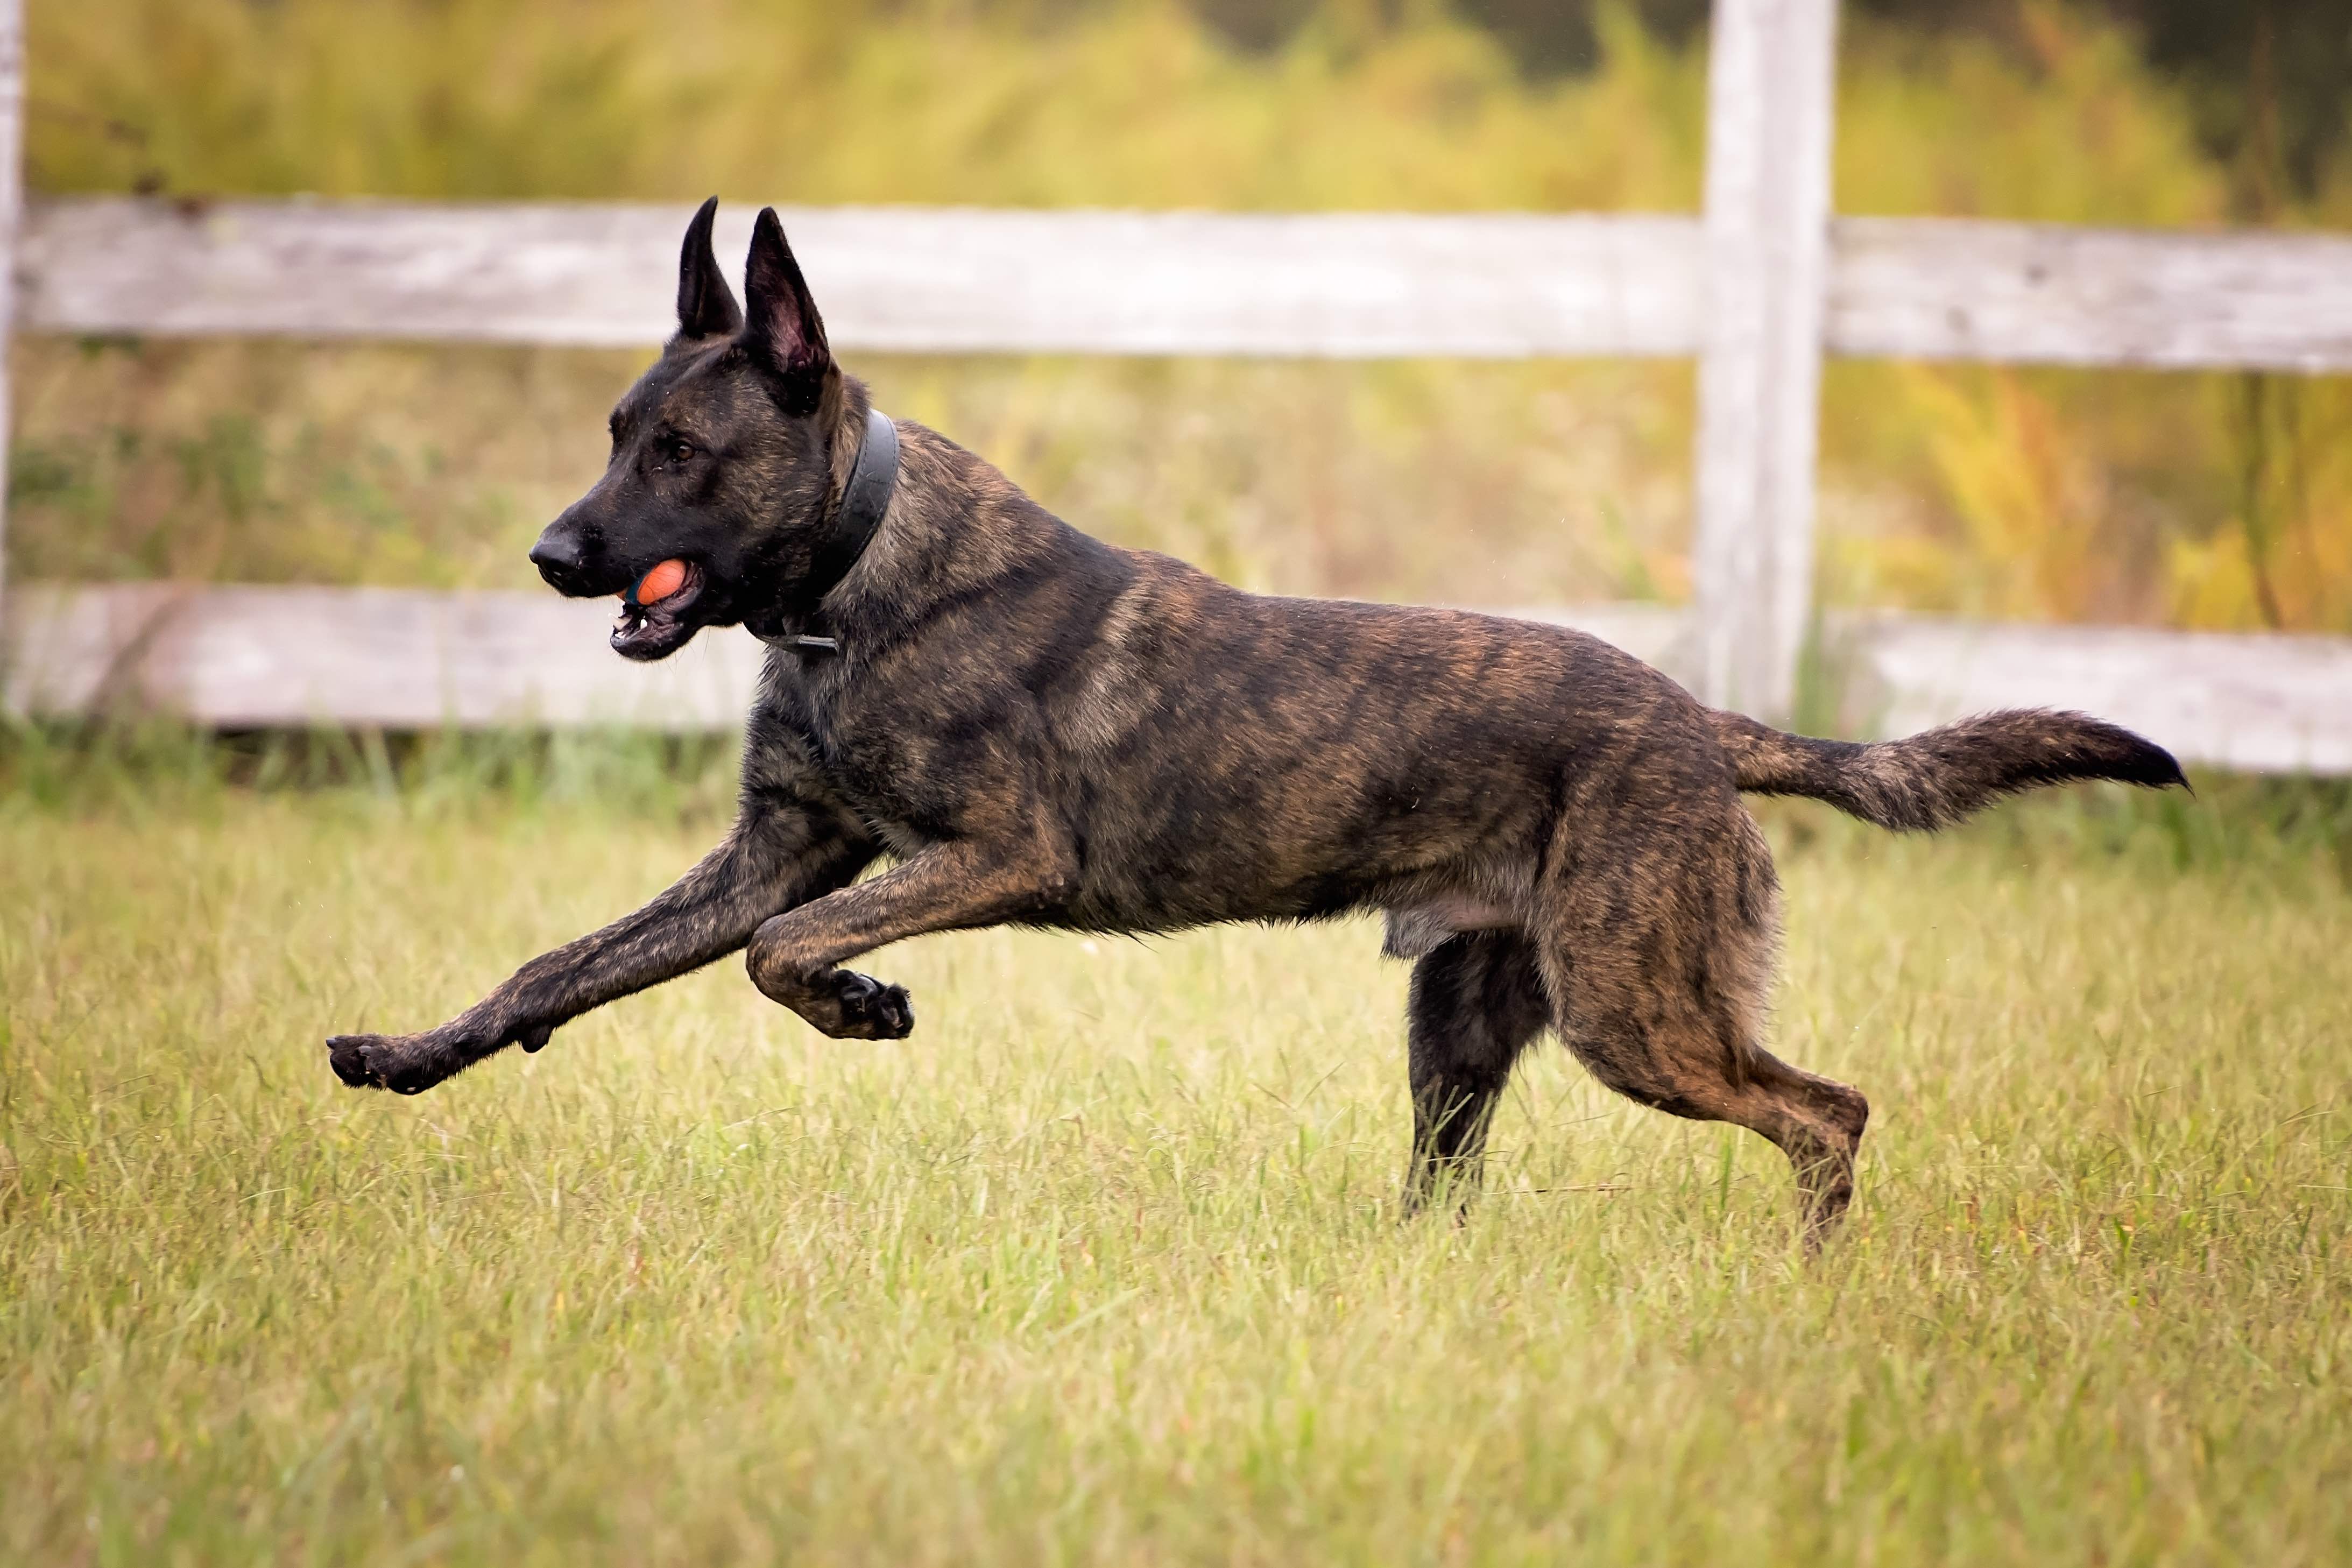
706 306
783 328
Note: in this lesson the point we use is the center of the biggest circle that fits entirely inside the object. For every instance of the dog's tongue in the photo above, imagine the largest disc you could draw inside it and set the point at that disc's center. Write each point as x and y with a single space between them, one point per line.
660 583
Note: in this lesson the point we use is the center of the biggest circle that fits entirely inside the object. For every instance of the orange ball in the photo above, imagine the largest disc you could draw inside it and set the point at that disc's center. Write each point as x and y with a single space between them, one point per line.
661 582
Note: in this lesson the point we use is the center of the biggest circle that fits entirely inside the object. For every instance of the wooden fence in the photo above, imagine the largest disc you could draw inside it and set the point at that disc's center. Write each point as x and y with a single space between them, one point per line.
1758 288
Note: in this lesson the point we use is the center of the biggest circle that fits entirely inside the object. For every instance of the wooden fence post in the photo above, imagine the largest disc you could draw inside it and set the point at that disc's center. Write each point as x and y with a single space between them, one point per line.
1771 80
11 193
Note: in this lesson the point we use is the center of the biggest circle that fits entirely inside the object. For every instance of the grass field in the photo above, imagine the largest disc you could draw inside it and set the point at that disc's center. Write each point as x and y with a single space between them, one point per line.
1105 1263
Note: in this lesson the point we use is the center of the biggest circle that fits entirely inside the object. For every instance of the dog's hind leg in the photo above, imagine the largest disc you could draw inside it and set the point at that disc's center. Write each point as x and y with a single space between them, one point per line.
1661 961
1476 1002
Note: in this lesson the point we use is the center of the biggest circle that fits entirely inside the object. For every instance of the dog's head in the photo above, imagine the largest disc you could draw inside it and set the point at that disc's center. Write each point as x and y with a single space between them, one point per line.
722 457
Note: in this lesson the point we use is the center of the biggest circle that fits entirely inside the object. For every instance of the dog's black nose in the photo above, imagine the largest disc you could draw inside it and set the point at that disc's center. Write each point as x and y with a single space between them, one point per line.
557 556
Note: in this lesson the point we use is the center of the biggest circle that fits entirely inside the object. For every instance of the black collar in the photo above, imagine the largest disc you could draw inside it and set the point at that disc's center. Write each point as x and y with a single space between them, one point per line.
864 499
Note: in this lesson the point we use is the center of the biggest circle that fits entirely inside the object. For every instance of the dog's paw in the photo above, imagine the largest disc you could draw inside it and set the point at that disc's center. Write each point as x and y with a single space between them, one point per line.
348 1054
864 1008
405 1066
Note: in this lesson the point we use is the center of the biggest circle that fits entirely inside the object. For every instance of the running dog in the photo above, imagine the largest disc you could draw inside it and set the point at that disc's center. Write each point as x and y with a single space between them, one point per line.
1041 730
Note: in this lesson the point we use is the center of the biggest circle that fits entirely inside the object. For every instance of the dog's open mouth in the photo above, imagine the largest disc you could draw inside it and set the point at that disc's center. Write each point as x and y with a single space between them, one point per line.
655 628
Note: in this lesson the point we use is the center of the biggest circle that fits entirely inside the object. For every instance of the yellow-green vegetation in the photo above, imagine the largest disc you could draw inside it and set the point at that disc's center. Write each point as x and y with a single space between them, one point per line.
2207 500
1105 1263
1453 482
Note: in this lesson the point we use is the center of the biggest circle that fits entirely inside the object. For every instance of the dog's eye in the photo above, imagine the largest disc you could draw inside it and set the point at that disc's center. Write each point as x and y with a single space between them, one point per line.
679 451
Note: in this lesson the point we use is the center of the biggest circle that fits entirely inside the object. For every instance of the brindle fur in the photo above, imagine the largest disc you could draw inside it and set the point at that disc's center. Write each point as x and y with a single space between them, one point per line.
1044 731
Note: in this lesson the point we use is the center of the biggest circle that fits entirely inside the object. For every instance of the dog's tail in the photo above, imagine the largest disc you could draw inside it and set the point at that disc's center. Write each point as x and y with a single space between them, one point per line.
1935 778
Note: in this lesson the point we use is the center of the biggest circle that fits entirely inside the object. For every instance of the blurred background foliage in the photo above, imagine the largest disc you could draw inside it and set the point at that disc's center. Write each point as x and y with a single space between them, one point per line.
2211 500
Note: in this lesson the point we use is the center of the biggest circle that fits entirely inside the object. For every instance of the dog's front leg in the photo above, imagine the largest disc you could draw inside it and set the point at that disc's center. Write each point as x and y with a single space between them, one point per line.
775 856
795 957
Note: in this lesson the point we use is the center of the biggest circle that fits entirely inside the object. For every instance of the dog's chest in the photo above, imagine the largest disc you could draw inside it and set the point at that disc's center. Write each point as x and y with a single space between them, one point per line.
866 759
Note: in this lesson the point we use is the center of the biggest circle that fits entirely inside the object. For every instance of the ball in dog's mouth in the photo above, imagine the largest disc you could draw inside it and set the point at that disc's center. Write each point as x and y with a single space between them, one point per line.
652 622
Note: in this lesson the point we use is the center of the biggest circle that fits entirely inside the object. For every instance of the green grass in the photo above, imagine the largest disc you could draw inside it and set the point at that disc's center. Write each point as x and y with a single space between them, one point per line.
1105 1263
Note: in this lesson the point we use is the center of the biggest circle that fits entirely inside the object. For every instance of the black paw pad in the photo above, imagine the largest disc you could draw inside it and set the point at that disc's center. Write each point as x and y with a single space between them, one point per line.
347 1054
871 1010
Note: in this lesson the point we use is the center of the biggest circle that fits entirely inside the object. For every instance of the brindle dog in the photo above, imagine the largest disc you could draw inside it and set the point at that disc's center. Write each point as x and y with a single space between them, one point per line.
1041 729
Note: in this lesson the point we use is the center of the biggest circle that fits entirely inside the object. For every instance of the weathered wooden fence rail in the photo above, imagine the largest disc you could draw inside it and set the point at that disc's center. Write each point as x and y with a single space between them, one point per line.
1759 288
976 281
414 658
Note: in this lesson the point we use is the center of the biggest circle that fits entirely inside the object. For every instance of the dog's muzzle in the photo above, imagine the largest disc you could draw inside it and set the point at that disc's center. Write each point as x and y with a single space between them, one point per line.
558 557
